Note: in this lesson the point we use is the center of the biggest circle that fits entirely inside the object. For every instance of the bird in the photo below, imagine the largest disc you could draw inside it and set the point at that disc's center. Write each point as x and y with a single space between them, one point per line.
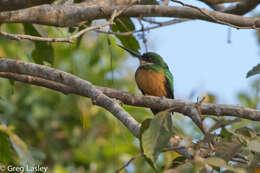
153 76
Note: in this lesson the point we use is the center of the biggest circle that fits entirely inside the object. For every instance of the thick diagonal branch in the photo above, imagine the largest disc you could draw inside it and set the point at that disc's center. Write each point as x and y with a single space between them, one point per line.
46 76
60 15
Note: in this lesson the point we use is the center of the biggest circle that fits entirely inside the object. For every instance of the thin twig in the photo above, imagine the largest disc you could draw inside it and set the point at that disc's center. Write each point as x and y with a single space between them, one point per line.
143 34
173 148
174 21
223 123
229 35
128 162
151 21
68 40
47 39
33 38
111 58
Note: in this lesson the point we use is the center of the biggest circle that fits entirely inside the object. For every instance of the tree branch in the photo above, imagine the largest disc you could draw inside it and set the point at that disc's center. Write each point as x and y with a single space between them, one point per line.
57 80
61 15
68 39
182 106
6 5
221 1
49 77
242 7
69 84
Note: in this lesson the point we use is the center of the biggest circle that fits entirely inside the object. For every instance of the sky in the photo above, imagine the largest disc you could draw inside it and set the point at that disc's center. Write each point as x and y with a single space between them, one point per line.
202 60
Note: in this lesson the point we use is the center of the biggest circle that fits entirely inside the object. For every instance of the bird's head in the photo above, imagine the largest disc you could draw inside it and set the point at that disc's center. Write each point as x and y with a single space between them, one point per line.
147 58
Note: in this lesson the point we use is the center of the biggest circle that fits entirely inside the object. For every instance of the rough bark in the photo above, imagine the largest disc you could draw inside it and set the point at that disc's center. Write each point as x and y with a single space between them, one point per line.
63 16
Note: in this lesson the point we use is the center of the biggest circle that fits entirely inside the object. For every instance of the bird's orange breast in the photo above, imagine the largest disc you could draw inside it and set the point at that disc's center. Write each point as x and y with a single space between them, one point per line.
151 82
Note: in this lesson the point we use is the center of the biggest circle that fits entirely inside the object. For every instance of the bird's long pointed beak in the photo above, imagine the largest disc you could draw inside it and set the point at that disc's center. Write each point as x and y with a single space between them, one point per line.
136 54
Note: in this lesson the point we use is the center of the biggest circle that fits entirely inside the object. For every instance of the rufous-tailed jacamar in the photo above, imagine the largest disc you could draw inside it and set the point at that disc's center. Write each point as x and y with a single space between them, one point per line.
153 76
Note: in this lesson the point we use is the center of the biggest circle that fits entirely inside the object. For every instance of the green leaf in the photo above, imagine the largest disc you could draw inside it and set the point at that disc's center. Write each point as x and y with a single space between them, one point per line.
30 30
60 169
246 100
43 51
95 53
217 162
6 151
149 2
129 42
246 132
226 134
155 135
11 88
178 161
78 1
27 156
255 70
255 162
124 24
226 150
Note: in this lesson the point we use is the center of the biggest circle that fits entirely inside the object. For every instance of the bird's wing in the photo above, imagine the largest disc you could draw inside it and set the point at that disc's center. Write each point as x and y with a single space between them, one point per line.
169 84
